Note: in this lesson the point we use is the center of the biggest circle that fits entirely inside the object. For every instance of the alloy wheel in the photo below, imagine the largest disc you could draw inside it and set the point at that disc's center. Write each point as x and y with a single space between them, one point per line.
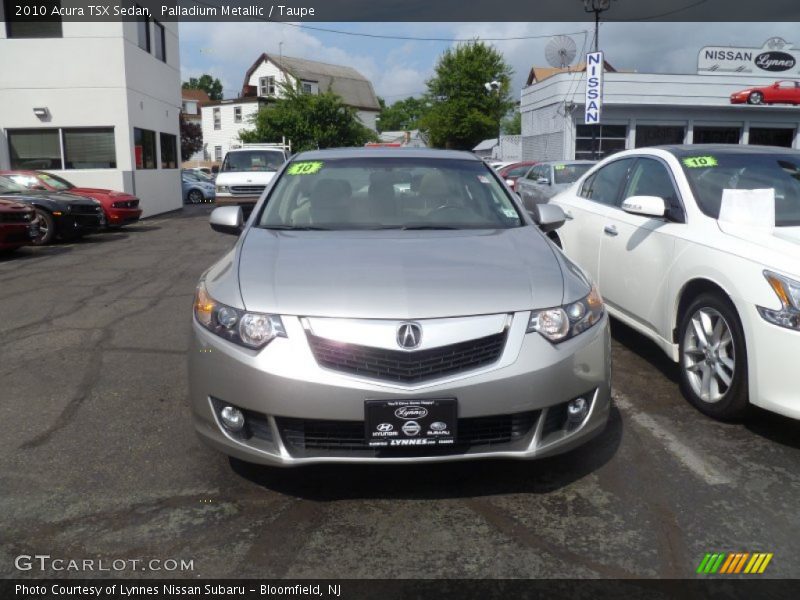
709 357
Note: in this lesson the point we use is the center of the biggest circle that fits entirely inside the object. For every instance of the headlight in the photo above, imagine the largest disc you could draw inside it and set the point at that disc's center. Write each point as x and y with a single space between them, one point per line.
223 189
249 329
788 292
564 322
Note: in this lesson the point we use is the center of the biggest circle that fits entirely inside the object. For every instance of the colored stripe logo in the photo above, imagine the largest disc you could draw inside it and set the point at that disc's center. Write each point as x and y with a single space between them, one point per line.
732 563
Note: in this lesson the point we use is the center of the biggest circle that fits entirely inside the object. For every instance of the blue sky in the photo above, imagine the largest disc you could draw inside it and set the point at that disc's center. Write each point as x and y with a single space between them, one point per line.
399 68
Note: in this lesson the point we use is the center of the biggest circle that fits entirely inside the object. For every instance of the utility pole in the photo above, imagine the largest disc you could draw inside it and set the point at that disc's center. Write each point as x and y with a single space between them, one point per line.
496 86
597 7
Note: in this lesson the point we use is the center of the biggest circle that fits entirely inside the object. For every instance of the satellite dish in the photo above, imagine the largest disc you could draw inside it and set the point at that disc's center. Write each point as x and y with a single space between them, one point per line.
560 51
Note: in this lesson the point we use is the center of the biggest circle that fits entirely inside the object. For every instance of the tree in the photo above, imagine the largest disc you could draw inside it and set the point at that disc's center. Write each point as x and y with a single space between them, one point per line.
310 121
210 85
463 112
512 125
191 138
403 115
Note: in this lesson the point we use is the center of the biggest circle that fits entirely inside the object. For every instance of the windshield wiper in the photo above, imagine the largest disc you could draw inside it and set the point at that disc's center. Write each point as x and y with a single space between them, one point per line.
421 227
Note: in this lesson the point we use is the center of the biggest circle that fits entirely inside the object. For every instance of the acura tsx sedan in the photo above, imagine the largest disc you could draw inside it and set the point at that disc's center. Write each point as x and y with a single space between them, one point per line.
390 306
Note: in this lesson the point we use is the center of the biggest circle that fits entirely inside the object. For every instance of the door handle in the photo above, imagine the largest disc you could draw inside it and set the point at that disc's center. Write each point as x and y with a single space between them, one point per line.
610 230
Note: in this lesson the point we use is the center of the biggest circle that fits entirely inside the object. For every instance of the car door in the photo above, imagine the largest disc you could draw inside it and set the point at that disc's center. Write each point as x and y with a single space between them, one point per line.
526 187
588 209
636 251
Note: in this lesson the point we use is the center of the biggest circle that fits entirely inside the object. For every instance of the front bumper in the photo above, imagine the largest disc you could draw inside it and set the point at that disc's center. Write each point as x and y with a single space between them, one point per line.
14 235
122 216
69 225
282 387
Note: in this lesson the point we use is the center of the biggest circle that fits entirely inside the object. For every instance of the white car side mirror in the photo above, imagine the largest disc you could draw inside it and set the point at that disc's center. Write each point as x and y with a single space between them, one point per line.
647 206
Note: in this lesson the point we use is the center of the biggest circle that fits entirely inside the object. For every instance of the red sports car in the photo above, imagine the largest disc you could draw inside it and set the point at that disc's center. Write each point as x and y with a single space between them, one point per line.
780 92
514 171
120 208
18 225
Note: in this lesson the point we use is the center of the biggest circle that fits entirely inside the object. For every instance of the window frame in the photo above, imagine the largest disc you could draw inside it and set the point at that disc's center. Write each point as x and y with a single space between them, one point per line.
49 5
154 150
237 114
160 41
216 115
217 153
162 135
67 130
675 214
145 20
620 188
271 85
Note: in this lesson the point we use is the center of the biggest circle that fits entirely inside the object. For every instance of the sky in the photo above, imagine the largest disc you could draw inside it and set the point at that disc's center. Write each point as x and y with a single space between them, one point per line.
399 68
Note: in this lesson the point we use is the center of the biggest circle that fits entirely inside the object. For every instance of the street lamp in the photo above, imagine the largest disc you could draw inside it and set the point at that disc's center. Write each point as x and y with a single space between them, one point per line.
494 86
596 7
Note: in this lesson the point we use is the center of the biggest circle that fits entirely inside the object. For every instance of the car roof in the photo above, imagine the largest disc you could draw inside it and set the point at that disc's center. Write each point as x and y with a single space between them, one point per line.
684 150
568 162
429 153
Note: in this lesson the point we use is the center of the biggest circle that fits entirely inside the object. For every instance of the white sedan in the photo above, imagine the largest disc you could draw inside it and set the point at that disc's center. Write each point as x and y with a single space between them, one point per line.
698 248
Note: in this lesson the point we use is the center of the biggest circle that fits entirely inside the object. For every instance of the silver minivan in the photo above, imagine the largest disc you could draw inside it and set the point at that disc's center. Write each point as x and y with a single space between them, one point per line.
395 305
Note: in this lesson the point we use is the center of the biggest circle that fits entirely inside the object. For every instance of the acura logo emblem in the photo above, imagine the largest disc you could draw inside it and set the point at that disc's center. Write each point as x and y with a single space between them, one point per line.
409 335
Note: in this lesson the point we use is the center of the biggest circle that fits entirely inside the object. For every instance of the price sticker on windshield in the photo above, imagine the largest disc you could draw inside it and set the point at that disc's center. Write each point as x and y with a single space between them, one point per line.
304 168
700 162
560 167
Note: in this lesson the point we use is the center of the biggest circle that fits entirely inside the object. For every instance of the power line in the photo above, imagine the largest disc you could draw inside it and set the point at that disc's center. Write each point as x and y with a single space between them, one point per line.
666 14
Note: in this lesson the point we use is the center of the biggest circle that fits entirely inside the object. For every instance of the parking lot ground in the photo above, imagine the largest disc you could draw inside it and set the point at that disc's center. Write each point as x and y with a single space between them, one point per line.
98 458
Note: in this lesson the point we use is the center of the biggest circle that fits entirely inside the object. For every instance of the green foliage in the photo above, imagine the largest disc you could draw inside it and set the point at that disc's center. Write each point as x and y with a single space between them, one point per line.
212 86
310 121
463 112
403 115
512 125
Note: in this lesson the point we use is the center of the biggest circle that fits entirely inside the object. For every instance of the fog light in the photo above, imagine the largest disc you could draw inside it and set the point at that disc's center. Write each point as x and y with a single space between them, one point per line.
576 412
232 418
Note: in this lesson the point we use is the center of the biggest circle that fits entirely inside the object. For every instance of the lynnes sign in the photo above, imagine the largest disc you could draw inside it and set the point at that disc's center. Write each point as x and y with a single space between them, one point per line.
776 57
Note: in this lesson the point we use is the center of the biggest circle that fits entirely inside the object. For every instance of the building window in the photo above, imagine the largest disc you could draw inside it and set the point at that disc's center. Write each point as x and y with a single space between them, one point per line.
307 88
144 144
160 41
89 148
266 86
169 151
771 136
716 135
217 119
143 32
237 114
218 153
35 149
593 142
39 22
190 107
656 135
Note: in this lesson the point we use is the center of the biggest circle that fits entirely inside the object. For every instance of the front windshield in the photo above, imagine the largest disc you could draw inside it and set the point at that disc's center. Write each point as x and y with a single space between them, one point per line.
7 186
389 193
569 173
253 160
55 182
710 175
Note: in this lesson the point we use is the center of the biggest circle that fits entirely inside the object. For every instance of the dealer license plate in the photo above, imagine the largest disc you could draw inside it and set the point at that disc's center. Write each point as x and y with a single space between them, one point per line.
411 423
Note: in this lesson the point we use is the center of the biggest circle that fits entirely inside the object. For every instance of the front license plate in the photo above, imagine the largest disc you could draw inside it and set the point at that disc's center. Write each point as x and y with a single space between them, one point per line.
411 423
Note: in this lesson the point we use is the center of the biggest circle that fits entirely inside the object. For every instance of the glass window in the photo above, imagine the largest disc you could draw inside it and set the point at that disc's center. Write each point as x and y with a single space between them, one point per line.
518 171
768 136
237 114
55 182
389 193
651 178
217 119
217 153
143 31
657 135
169 151
89 149
307 88
35 149
144 142
253 160
160 41
266 86
36 20
606 184
716 135
593 142
569 173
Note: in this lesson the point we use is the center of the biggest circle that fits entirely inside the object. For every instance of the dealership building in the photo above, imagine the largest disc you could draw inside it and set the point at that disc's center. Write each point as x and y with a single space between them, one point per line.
94 102
648 109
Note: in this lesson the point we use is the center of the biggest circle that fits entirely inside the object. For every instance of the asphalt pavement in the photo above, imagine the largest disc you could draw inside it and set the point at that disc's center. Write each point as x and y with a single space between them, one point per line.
99 460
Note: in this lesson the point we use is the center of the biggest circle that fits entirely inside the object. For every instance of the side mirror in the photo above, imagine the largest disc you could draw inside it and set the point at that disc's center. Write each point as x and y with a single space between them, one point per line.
543 181
647 206
548 217
227 219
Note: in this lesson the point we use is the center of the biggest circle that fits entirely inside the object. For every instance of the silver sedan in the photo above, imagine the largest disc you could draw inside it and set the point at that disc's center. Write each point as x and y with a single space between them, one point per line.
393 306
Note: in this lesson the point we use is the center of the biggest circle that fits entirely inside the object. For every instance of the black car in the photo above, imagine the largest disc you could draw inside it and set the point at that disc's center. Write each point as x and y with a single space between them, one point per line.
66 216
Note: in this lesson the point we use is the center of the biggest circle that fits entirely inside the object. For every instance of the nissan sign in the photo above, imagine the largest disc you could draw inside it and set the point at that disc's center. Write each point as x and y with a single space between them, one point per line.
594 88
776 56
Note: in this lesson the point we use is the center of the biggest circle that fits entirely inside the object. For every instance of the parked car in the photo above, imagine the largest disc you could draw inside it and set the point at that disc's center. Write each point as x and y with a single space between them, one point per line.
246 172
59 214
712 276
196 188
361 319
543 181
780 92
120 208
18 225
511 172
499 164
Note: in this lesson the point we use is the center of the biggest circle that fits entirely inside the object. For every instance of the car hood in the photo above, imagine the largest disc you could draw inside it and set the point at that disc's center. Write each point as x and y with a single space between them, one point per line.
99 191
244 178
398 275
10 205
782 242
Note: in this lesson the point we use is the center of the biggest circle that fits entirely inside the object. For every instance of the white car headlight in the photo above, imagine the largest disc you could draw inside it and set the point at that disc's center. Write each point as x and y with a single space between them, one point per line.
223 189
565 322
249 329
788 292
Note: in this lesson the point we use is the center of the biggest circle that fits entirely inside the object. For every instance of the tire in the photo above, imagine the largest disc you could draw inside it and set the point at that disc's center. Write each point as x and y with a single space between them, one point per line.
713 358
47 228
755 98
195 196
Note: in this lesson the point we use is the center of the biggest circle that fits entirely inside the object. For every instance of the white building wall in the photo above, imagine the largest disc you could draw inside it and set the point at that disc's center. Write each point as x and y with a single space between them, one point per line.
267 69
228 133
369 118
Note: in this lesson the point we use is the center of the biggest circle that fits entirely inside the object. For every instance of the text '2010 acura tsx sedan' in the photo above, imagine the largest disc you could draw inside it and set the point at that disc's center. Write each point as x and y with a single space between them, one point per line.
391 306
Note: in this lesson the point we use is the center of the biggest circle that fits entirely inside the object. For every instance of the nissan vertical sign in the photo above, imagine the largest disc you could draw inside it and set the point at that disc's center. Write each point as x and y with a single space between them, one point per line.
594 88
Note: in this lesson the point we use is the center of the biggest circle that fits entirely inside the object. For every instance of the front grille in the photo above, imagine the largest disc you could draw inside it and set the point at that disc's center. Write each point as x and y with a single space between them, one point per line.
247 190
407 367
126 204
84 209
306 437
22 216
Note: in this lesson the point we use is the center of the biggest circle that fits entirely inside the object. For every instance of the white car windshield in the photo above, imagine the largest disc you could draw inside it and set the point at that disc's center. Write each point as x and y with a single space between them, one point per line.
709 176
252 160
389 193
